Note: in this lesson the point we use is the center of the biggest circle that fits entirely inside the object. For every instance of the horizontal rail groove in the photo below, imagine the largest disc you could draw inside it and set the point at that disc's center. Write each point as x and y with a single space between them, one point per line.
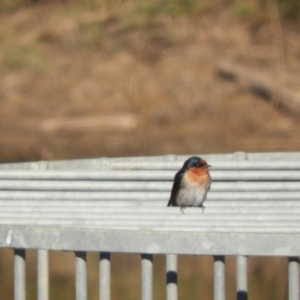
144 217
111 164
44 208
210 206
116 186
213 195
103 188
227 175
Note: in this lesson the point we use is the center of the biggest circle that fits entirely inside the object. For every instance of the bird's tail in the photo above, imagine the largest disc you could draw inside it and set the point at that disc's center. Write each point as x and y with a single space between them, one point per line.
170 202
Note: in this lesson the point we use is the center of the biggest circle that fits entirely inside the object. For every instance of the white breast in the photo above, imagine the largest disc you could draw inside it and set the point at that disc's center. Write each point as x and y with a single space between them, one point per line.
191 194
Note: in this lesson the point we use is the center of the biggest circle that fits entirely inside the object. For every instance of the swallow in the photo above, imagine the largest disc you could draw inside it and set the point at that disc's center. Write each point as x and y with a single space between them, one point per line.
191 184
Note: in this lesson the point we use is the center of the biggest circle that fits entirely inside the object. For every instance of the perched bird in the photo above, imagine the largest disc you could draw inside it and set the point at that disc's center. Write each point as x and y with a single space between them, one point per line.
191 184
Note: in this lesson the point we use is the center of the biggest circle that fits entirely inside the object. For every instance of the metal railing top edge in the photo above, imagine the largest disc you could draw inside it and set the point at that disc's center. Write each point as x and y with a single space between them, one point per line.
158 166
106 163
149 241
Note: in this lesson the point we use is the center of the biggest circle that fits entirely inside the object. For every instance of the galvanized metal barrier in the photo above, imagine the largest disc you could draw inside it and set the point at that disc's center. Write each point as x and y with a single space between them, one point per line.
119 205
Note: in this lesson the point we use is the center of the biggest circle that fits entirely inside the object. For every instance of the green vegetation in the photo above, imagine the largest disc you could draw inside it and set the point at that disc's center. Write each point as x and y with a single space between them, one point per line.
244 10
91 22
264 9
287 8
12 5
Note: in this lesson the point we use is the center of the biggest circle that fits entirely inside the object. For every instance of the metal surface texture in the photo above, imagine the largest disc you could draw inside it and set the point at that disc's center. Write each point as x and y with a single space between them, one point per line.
149 241
75 178
217 223
248 197
109 163
119 205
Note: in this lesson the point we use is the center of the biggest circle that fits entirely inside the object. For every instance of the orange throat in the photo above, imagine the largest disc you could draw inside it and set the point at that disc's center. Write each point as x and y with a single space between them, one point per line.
198 175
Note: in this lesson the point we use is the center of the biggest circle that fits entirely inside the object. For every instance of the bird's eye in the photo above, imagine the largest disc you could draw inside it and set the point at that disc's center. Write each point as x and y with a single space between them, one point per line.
197 165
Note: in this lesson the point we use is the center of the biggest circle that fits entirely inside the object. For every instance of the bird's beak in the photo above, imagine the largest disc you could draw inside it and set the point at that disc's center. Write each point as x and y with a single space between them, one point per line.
208 166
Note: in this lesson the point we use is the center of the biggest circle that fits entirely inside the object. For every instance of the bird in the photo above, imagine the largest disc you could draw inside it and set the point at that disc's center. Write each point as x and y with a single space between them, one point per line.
191 184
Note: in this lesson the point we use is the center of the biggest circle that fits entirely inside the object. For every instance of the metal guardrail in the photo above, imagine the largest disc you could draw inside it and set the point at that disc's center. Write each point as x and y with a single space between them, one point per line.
119 205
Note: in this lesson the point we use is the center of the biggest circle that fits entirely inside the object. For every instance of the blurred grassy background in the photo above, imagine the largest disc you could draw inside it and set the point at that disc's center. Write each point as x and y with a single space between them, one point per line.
152 63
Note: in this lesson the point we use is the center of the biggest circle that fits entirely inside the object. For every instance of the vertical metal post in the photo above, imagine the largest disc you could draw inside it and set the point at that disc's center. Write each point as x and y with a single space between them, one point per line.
242 279
104 284
171 265
19 275
219 277
81 276
294 278
241 261
147 276
43 274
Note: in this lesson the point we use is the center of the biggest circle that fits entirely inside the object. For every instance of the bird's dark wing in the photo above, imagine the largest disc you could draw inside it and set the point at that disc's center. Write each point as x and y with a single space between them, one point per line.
176 187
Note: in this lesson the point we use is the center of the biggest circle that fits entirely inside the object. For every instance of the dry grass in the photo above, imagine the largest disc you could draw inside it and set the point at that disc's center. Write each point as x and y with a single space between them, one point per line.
69 61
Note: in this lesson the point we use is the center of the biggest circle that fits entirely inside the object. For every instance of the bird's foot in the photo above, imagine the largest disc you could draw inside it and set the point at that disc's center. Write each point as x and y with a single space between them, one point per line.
182 209
203 207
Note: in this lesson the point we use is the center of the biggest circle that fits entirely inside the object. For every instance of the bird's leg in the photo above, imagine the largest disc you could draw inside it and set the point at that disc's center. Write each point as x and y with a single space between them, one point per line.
203 207
182 209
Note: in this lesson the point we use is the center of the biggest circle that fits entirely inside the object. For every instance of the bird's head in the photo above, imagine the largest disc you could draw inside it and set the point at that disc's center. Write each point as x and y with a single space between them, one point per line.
195 162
